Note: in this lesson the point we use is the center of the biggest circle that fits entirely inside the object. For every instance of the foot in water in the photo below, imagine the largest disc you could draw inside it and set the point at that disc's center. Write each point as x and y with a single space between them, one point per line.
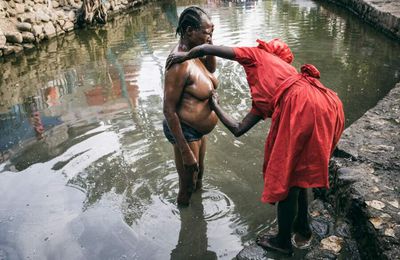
269 242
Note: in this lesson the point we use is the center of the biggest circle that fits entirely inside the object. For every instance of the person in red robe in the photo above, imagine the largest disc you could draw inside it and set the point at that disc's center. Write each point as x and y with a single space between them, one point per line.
307 120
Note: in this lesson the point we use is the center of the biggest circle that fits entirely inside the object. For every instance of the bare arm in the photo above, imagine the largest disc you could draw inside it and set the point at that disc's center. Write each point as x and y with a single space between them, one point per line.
235 127
175 80
208 50
210 62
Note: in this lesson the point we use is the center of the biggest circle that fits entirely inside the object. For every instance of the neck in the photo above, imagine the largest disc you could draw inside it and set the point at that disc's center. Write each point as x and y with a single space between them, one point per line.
184 45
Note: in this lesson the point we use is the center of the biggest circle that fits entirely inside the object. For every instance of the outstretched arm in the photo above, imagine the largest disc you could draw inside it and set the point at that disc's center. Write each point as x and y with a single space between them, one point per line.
208 50
235 127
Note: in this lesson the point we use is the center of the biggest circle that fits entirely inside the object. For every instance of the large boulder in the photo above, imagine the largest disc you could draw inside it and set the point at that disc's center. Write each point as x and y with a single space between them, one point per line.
3 40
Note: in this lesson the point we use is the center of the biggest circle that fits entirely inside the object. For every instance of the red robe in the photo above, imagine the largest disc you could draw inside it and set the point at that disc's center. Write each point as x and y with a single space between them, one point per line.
307 121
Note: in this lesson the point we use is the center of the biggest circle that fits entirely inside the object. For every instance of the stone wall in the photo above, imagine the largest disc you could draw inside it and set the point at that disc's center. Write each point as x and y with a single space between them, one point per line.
382 14
25 23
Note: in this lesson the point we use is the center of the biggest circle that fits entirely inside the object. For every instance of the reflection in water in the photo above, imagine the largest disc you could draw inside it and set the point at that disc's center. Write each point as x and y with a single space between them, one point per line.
192 242
99 180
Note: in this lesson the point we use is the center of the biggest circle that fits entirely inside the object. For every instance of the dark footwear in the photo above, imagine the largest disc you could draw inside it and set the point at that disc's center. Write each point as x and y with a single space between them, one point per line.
271 243
300 241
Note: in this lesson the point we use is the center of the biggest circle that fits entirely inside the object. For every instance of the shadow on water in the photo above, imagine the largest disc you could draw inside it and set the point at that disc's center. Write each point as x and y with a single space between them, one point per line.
85 171
192 241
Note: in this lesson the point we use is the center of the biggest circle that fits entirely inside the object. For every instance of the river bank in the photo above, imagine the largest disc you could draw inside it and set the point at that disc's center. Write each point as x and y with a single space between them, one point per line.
24 23
359 217
382 14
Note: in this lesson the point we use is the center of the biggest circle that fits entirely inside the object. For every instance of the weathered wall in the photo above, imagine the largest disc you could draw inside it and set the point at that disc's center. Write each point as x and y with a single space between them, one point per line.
383 14
25 23
365 186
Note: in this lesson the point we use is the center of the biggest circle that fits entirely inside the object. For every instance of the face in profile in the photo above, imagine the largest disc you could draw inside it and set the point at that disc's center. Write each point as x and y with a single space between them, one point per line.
204 33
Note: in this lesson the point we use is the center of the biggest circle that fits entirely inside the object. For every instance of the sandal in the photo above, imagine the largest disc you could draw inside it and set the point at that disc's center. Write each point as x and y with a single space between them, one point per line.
270 243
301 245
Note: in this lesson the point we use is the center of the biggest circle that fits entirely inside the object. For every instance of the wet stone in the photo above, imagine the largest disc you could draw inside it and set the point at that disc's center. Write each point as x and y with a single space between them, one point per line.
252 252
343 229
28 37
320 227
14 37
24 27
320 254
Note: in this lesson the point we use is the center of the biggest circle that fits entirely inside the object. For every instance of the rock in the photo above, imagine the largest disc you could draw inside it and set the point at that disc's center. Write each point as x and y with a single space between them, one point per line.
29 3
42 16
343 229
55 4
28 37
28 46
37 31
29 18
332 243
12 12
49 30
24 27
13 37
8 50
71 16
252 252
61 22
68 26
318 254
11 4
59 29
3 40
28 9
376 204
320 227
20 8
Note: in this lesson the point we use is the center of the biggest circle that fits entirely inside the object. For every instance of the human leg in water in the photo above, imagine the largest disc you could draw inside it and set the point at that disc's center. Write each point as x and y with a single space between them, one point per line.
186 177
287 211
202 154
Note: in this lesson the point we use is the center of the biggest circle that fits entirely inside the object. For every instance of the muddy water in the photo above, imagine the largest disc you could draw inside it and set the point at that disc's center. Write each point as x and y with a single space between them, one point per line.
85 170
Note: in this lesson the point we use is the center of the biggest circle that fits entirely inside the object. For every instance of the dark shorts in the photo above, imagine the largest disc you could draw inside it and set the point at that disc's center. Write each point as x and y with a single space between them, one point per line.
189 132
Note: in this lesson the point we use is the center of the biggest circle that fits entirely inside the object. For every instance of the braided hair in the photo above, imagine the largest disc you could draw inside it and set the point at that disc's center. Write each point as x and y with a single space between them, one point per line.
191 16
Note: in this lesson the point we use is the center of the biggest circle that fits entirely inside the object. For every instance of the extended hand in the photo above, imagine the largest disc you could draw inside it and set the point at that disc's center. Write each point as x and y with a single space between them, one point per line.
176 57
189 162
214 99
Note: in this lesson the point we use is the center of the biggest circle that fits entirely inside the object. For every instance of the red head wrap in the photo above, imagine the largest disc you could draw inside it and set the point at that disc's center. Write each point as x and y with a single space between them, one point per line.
277 47
310 70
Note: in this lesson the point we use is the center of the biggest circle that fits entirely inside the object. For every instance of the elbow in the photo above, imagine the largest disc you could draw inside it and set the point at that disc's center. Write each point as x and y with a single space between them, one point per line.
168 113
237 133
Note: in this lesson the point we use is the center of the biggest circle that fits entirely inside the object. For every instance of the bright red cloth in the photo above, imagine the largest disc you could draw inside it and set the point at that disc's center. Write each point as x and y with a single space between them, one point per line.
307 121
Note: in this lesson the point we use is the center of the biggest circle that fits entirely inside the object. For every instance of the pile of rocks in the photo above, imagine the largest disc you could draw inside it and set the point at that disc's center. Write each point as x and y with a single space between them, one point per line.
25 23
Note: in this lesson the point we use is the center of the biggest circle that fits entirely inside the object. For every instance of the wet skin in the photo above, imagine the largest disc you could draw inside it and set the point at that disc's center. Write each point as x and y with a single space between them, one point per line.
194 109
187 90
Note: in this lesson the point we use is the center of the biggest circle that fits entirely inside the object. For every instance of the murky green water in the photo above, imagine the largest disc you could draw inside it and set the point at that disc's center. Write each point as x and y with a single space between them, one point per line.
100 182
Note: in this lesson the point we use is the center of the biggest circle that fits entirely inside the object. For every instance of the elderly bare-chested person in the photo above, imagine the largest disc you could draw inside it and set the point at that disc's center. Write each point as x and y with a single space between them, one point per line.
188 87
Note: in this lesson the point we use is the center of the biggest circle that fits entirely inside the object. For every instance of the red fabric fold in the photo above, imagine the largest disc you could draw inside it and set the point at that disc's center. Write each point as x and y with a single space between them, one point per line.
277 47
